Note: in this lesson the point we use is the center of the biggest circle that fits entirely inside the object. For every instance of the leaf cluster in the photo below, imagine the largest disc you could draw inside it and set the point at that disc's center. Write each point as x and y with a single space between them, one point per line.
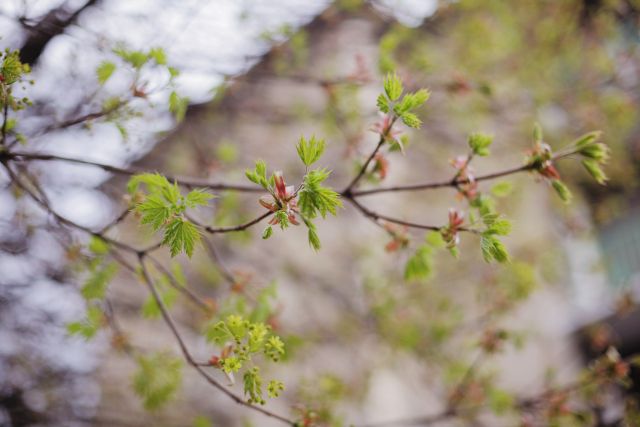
247 340
163 208
389 101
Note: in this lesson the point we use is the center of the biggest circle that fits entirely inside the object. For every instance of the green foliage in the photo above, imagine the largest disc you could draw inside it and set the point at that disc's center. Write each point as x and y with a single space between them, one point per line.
593 167
158 55
181 236
502 189
138 58
274 348
595 155
98 246
275 388
562 190
390 101
312 234
12 69
163 208
492 248
90 325
104 71
479 143
100 275
537 132
178 106
411 120
247 339
314 198
393 87
411 101
157 379
259 174
311 150
496 225
268 232
383 103
253 385
500 401
419 266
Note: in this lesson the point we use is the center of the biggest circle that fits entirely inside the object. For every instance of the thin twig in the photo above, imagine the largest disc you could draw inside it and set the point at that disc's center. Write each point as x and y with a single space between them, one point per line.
363 169
233 228
450 182
378 216
184 181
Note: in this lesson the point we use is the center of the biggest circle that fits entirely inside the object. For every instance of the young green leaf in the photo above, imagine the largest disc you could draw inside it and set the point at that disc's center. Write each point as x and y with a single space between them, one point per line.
595 171
267 232
383 104
311 150
96 284
562 190
314 199
274 388
479 143
587 139
158 55
197 198
178 106
419 266
104 71
411 120
493 249
89 326
502 189
274 348
181 235
393 86
253 385
537 132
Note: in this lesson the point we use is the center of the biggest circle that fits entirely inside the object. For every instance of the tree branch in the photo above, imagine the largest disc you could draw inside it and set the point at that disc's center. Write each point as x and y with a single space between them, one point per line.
184 181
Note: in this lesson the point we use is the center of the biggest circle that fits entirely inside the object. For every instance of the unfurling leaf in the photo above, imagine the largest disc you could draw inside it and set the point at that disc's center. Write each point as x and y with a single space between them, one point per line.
419 266
393 86
311 150
104 71
479 143
562 190
181 235
595 171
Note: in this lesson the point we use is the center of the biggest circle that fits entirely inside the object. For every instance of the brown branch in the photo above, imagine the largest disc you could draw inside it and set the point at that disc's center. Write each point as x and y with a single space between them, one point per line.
191 295
184 181
363 169
451 182
53 24
123 215
5 120
376 217
232 228
215 257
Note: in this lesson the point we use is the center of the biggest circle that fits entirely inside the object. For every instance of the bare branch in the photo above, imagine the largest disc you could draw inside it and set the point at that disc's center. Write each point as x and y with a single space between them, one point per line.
184 181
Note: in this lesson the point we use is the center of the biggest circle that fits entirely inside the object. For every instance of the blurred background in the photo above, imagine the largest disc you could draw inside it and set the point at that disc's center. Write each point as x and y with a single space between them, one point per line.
363 345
